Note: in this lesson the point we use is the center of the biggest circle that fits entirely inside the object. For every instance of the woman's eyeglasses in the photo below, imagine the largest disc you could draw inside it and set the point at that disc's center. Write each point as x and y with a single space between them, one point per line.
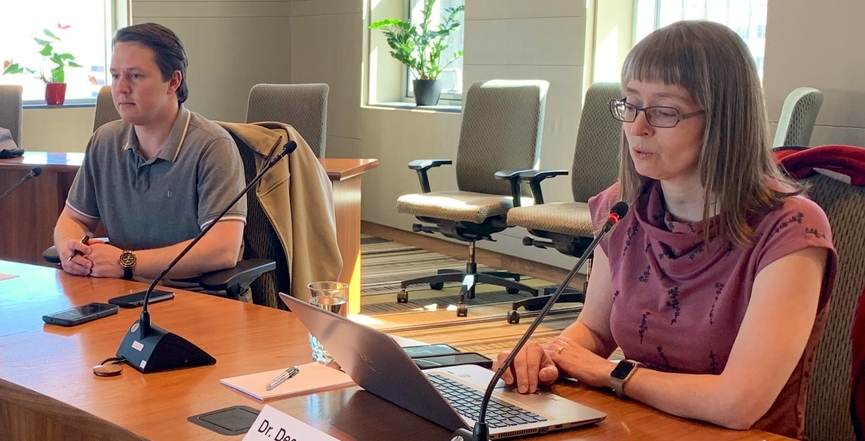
657 116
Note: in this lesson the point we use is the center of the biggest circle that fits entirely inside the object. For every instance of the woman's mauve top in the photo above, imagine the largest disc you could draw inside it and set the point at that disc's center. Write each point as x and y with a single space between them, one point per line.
678 305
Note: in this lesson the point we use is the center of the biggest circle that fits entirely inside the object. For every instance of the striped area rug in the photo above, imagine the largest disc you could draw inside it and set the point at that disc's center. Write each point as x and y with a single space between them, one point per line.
430 315
385 264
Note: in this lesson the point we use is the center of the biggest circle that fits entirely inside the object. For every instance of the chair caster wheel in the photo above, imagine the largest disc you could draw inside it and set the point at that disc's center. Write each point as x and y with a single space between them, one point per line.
513 317
462 310
402 297
438 286
512 290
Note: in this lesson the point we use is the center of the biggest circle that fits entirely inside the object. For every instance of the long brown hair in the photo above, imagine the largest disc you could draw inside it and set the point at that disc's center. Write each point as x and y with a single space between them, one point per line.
736 168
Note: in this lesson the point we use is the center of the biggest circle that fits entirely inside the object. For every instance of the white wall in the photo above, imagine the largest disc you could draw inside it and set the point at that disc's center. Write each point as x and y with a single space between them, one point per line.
818 44
326 41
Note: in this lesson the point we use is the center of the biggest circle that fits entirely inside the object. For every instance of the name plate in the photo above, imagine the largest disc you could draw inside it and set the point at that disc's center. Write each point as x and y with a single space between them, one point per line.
273 425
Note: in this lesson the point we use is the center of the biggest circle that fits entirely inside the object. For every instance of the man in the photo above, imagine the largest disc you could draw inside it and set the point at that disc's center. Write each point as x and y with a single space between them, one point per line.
156 178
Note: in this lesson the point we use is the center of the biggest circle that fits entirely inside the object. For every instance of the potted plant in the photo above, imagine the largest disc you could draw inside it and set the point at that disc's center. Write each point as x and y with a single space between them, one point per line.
54 74
420 49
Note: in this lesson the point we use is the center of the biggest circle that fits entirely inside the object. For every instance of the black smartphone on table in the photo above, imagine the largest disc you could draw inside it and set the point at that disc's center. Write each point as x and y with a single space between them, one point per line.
437 361
429 350
80 314
137 298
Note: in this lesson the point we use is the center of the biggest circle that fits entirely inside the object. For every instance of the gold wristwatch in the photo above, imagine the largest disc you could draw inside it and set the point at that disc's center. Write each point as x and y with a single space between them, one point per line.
127 262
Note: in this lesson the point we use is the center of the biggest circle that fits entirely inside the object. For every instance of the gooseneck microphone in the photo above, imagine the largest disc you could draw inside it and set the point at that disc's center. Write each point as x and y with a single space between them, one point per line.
481 431
149 348
33 173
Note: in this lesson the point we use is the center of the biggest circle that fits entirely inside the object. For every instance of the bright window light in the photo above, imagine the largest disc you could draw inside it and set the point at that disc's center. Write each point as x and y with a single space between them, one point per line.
84 27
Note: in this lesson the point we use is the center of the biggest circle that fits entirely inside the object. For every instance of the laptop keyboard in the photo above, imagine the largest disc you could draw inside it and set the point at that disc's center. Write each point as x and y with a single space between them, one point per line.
467 402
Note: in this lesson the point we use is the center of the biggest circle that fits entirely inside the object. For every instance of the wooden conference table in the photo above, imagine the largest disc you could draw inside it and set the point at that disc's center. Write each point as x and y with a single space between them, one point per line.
30 212
48 392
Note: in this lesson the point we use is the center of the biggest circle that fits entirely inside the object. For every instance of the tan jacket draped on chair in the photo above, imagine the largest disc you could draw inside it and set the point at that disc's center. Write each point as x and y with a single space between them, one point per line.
297 197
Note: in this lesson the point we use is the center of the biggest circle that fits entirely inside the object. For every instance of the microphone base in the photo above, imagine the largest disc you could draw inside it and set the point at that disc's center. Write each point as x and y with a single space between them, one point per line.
461 435
480 433
160 350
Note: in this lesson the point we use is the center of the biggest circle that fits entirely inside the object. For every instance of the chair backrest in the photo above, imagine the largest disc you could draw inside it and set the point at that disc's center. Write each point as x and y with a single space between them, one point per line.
304 106
857 378
261 241
827 409
11 110
599 139
501 129
798 117
105 110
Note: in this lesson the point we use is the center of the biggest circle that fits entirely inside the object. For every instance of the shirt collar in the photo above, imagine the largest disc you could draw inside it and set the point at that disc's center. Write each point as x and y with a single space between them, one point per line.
171 149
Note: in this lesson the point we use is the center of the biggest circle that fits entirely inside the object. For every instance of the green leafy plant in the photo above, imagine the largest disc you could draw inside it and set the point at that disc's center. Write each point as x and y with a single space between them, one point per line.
52 72
419 47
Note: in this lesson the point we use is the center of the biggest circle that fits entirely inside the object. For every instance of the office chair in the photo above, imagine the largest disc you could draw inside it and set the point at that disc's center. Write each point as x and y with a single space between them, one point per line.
827 415
798 117
857 379
11 110
500 136
304 106
263 268
567 226
835 176
105 110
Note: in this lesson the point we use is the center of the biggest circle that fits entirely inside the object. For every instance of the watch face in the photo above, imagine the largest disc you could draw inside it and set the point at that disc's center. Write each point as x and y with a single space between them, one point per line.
622 369
127 259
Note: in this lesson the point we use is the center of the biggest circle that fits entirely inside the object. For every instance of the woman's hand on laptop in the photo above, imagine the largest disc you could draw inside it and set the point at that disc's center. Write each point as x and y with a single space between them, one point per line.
578 362
532 366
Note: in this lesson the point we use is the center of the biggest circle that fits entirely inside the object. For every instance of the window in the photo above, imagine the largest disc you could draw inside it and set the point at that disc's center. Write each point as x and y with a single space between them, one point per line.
85 28
746 17
452 76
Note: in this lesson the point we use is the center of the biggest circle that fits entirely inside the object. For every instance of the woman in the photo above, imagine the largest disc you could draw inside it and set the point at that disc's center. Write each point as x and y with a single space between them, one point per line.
715 284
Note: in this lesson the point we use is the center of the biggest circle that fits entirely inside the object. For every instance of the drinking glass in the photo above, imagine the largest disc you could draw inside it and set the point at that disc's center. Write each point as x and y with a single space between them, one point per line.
330 296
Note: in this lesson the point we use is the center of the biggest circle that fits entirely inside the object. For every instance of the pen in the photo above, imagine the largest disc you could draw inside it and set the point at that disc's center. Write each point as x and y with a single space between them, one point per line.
84 240
290 372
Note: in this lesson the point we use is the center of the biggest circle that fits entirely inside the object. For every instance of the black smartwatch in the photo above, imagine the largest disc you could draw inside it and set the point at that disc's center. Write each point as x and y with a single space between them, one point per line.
621 374
127 262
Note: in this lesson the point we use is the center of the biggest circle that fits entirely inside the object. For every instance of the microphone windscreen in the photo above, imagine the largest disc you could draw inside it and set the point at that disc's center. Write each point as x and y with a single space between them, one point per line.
36 171
620 209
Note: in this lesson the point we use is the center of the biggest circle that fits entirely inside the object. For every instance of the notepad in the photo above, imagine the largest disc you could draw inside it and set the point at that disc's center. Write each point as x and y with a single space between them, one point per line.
313 377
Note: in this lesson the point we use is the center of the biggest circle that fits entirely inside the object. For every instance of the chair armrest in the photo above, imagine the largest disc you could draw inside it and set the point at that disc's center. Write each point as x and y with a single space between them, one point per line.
422 165
513 176
534 178
51 255
234 280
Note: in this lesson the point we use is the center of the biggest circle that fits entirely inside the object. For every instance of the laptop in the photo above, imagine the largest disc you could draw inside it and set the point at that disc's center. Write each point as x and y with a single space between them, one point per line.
450 396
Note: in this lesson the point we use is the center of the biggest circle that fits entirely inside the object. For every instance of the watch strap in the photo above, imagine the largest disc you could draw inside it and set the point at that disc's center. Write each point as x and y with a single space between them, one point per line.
618 383
127 261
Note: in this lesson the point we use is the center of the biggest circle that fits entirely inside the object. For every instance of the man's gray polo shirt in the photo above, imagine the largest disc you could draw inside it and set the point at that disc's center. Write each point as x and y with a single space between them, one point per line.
168 199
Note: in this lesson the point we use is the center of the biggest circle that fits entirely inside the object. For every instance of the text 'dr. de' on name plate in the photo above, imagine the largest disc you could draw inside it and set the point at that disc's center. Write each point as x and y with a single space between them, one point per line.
273 425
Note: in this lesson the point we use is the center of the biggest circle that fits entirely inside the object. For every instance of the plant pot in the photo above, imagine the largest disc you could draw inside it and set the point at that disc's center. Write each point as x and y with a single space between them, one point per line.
55 93
427 92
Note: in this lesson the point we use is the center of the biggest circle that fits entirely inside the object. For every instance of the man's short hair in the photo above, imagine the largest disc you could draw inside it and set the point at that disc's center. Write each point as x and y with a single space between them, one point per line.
167 47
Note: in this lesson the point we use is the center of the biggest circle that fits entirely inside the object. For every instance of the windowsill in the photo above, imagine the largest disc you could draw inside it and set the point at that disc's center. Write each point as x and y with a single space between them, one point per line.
411 106
61 106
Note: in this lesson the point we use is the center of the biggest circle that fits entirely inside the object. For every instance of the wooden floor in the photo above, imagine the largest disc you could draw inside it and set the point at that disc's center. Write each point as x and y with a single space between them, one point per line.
484 257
